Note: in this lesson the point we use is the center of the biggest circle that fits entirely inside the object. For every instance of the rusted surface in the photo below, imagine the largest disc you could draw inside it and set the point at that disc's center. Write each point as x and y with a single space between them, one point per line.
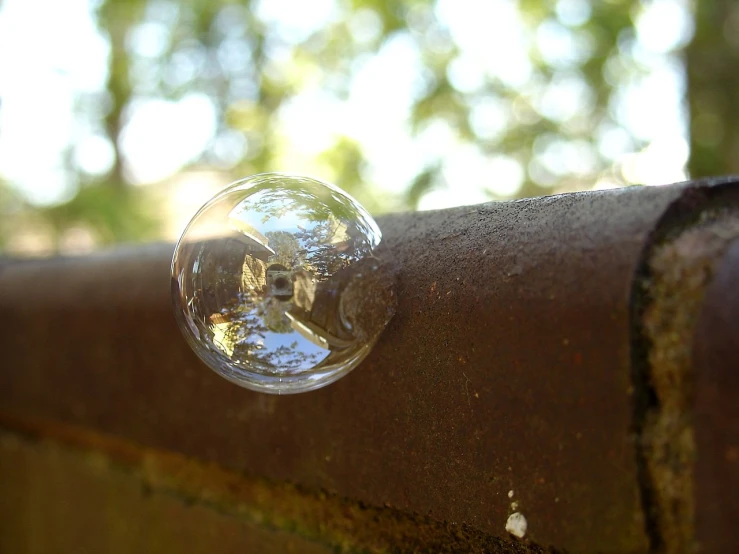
60 501
716 422
146 500
506 368
679 266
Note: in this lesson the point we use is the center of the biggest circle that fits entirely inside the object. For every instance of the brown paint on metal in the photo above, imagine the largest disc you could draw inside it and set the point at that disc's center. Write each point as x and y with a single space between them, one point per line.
143 496
716 420
62 501
506 367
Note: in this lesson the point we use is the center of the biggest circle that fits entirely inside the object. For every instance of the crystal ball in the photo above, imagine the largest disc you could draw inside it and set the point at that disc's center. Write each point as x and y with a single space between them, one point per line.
276 284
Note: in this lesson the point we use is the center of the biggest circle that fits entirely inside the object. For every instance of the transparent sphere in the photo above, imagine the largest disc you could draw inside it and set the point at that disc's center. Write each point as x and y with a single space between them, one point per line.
276 286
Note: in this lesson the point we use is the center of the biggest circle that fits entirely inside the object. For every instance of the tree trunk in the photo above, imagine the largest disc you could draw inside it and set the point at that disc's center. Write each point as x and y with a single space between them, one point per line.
713 84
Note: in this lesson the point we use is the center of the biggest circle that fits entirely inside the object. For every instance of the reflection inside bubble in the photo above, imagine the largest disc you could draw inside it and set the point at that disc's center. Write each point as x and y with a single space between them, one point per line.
270 279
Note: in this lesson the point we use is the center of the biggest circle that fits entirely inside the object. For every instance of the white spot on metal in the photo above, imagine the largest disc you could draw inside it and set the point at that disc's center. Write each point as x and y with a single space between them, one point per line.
516 525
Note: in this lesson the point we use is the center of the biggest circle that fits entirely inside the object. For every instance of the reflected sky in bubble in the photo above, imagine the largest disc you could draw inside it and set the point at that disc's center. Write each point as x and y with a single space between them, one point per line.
276 285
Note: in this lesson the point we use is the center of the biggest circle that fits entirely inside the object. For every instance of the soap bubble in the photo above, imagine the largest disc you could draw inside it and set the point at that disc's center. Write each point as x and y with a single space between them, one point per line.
276 286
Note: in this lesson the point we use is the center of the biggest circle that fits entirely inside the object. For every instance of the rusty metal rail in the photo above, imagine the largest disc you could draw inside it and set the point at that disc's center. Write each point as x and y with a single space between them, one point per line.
575 355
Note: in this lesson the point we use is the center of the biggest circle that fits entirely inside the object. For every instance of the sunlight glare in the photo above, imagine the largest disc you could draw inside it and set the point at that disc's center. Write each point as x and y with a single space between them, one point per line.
161 136
64 55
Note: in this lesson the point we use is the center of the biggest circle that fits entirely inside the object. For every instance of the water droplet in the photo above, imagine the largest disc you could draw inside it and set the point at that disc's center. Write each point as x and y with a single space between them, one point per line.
276 285
517 525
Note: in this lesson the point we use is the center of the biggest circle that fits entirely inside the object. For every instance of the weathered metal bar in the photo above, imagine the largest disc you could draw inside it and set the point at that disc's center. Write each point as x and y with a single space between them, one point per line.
516 369
678 264
716 413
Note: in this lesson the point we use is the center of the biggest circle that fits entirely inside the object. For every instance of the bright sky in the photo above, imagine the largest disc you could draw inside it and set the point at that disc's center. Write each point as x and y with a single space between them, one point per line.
44 62
63 56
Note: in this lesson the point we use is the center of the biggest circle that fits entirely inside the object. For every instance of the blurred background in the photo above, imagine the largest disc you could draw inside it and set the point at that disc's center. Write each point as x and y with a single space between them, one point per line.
119 118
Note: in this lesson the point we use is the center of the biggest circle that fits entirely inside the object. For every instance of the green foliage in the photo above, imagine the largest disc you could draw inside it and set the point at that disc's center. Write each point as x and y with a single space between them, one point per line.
713 79
252 68
10 205
115 213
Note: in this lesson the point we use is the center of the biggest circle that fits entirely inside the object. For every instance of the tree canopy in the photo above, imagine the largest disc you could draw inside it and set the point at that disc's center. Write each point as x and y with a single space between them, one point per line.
397 101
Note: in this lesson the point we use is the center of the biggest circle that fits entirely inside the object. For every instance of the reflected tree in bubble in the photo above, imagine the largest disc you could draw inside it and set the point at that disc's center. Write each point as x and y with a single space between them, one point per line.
276 284
250 324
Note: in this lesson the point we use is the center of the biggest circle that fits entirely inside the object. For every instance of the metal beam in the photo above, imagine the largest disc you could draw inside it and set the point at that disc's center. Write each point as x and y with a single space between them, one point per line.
516 370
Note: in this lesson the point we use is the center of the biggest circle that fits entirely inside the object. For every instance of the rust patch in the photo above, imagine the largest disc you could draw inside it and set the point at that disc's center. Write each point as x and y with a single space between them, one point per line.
716 418
342 524
679 266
